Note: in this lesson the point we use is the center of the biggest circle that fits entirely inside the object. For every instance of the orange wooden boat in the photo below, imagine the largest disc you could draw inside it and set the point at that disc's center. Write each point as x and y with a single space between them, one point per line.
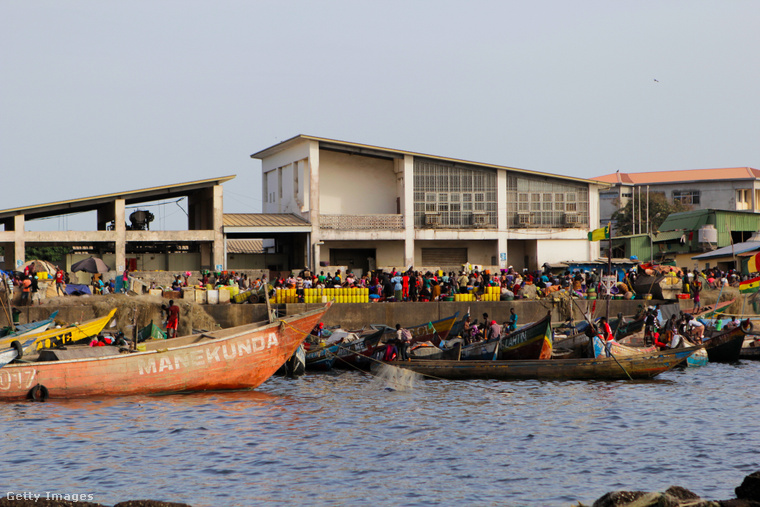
235 358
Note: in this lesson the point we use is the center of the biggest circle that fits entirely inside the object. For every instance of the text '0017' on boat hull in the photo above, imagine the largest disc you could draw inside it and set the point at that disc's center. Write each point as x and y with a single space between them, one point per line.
637 366
235 358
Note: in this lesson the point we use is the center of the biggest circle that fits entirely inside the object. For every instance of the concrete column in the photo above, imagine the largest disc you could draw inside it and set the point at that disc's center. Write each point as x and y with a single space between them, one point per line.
313 204
501 219
407 208
19 248
120 231
218 227
594 250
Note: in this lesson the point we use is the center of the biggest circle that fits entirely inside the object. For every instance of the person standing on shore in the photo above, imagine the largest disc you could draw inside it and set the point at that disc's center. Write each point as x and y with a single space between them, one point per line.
172 322
512 320
125 281
398 287
59 290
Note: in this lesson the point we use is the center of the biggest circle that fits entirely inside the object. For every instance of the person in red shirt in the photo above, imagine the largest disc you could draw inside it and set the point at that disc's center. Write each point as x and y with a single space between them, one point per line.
173 321
605 329
59 290
660 344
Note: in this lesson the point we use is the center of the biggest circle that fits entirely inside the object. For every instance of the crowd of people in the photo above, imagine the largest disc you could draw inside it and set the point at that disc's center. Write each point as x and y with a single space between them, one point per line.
417 286
27 283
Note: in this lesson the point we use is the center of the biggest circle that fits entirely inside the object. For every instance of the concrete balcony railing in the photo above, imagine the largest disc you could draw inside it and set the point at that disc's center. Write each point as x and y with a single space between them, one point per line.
361 222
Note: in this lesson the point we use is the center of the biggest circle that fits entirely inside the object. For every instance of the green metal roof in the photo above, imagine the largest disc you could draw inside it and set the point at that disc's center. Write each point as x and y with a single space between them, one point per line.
668 236
686 220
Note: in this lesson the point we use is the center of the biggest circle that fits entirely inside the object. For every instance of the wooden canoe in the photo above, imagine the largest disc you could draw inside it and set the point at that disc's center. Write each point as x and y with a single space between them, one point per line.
533 341
66 335
433 332
637 366
709 311
234 358
16 350
618 349
486 350
724 346
29 328
750 348
321 359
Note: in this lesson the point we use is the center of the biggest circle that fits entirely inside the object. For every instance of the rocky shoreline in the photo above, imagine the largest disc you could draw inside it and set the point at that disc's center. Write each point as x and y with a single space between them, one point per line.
747 495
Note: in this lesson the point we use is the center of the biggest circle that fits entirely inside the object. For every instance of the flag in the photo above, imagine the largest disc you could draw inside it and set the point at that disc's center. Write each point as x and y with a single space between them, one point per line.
750 286
599 234
753 264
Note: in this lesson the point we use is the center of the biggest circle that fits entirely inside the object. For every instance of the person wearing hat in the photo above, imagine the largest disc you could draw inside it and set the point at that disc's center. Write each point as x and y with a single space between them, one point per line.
494 330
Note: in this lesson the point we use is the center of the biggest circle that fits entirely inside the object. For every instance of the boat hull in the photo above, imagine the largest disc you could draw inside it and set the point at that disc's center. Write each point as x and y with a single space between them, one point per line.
481 351
639 366
234 358
529 342
750 348
726 346
65 335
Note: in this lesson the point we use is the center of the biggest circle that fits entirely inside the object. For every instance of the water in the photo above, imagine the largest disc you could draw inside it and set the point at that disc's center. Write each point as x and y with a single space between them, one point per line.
346 439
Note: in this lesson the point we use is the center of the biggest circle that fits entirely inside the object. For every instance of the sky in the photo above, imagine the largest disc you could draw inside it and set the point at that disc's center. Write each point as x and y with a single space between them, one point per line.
98 97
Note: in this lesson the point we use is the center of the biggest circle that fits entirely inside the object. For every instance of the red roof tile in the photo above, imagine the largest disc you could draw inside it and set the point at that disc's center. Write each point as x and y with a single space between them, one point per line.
728 173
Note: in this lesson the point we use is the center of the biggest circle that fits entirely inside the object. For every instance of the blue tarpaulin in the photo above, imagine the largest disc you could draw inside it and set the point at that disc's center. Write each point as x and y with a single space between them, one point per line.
78 290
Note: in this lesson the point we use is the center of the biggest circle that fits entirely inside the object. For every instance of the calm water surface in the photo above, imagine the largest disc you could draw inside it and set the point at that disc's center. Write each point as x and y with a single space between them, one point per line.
344 439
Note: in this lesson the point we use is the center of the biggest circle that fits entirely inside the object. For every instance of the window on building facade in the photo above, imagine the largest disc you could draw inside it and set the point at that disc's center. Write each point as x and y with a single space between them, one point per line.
686 196
542 202
454 196
744 199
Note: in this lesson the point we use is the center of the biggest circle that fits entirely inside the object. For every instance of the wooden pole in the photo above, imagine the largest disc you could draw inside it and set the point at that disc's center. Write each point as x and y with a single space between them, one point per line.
591 323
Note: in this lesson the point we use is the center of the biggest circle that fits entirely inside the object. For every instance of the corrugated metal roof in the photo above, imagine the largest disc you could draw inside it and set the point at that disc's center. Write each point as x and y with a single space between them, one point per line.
669 235
738 248
686 220
285 144
645 178
245 246
130 196
263 220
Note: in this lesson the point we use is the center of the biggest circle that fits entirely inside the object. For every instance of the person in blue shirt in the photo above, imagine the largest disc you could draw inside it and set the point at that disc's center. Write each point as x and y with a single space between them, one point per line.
512 320
397 287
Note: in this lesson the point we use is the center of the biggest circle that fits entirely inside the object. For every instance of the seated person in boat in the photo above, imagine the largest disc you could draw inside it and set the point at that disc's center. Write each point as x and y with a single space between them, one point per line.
666 339
494 330
476 334
391 351
733 323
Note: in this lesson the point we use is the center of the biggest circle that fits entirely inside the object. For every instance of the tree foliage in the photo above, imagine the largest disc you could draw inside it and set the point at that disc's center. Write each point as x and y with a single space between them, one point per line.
54 254
659 209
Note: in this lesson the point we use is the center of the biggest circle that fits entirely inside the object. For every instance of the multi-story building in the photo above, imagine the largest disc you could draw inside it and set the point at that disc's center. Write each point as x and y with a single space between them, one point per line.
374 207
733 188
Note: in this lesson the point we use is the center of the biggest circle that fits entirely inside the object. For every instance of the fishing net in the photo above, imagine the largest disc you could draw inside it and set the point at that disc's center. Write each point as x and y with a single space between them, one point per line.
393 378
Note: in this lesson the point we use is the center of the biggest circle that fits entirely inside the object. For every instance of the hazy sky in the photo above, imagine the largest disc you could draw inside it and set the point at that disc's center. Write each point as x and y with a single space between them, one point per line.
98 97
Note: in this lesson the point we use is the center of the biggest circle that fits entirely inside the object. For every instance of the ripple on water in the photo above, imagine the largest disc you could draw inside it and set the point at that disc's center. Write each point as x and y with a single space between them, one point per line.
341 438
